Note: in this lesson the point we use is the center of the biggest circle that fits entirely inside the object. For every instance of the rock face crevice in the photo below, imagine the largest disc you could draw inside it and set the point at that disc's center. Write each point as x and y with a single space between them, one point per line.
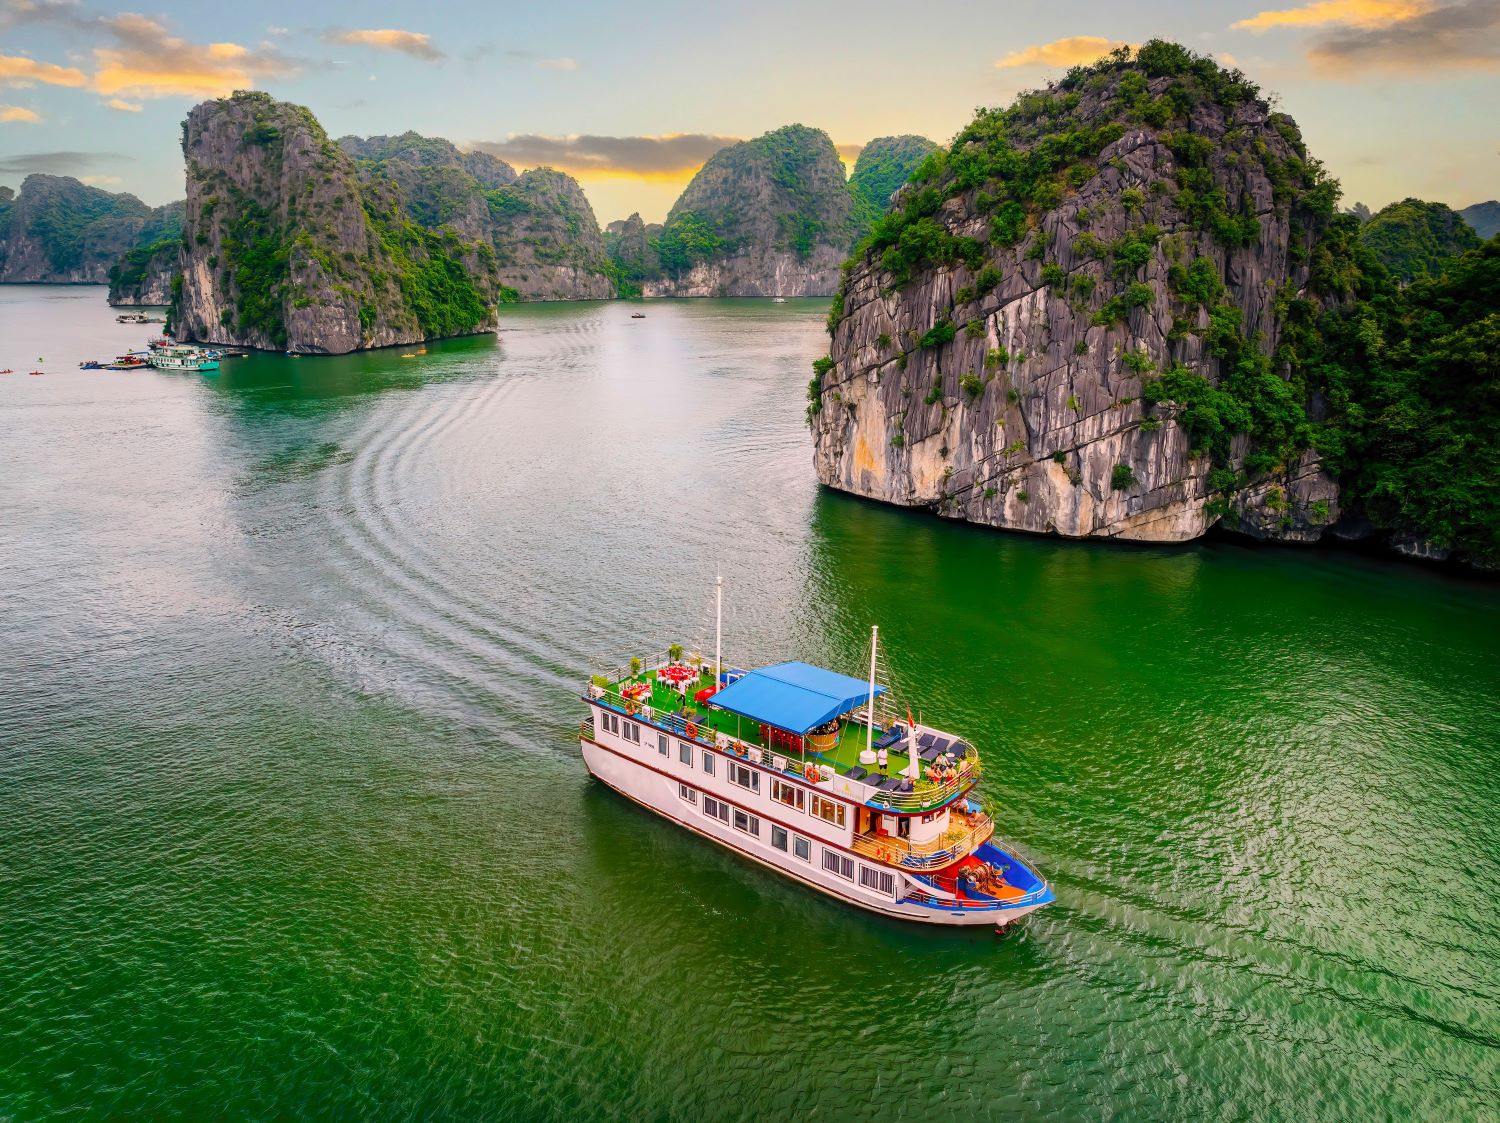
1007 384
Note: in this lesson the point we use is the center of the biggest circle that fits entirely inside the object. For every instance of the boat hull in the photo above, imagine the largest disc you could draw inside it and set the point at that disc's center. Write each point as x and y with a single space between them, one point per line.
659 793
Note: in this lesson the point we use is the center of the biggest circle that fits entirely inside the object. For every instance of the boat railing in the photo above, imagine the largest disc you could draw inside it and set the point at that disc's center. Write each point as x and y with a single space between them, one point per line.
586 728
932 855
1013 852
925 794
655 662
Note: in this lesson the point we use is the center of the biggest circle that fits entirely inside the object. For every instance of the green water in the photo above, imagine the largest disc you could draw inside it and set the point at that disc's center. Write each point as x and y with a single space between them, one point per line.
294 821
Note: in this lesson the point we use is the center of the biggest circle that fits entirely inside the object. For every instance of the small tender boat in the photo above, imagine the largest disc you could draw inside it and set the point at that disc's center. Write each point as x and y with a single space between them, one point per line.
778 300
809 773
638 315
36 373
183 358
132 318
92 364
7 370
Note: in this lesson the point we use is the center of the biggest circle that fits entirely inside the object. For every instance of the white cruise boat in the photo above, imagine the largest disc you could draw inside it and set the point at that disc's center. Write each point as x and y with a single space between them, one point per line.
781 765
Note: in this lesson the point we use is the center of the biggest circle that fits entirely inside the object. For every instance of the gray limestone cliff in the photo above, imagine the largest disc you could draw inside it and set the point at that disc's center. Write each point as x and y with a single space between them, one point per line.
287 247
1073 322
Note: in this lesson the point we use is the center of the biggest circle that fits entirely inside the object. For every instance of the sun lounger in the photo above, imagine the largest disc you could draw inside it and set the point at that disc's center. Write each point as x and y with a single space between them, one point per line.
925 739
929 753
857 773
959 750
889 737
941 744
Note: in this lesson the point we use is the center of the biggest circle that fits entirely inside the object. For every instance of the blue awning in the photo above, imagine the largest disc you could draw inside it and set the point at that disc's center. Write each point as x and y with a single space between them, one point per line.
796 697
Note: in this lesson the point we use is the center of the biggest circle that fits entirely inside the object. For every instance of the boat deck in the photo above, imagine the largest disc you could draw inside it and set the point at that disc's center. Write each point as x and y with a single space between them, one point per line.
843 756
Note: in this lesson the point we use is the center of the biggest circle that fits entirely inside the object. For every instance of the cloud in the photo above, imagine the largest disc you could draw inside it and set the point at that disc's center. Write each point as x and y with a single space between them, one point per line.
144 59
1463 35
1061 52
122 105
17 113
1351 13
412 43
557 64
673 156
849 152
17 70
57 163
99 180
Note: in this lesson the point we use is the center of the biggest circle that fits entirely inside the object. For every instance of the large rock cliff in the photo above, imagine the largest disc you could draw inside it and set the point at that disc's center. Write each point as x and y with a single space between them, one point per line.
543 232
61 231
1074 321
771 216
286 247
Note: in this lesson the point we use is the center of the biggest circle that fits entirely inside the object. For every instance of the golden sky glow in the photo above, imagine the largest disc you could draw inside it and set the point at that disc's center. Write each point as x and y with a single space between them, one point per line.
1354 13
19 114
1073 51
16 70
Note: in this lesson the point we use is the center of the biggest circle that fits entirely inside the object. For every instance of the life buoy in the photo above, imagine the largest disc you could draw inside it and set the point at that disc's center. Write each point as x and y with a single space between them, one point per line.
812 773
692 730
884 855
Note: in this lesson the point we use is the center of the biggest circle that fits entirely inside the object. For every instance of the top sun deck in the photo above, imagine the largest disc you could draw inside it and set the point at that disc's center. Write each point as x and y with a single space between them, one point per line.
829 728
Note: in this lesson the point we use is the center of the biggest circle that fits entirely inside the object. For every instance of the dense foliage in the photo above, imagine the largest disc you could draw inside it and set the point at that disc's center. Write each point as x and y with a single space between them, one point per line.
883 167
1414 239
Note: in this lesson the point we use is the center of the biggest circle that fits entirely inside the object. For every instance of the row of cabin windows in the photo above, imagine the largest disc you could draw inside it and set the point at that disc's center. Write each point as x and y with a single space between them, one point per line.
789 795
835 862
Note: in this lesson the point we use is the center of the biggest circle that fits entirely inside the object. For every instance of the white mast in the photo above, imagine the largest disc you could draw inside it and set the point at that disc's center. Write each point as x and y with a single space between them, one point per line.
718 626
870 724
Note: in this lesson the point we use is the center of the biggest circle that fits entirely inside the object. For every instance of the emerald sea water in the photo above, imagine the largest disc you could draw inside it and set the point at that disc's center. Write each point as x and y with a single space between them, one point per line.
293 820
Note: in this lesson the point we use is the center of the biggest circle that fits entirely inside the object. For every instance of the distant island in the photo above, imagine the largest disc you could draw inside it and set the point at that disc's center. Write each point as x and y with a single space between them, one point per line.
1127 307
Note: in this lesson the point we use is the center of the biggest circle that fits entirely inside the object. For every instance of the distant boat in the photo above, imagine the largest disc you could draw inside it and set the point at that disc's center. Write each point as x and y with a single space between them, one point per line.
138 318
36 373
778 300
127 362
7 370
92 364
638 315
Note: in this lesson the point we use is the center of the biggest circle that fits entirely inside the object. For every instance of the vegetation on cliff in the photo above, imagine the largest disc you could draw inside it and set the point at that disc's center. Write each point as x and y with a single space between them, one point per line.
1415 239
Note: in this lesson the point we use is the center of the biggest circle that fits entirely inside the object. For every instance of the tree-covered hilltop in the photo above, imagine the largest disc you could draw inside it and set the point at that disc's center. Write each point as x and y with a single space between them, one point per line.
1125 306
883 167
59 230
1414 239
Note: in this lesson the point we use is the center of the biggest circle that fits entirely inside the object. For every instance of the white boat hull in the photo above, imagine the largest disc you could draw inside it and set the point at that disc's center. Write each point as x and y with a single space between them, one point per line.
658 789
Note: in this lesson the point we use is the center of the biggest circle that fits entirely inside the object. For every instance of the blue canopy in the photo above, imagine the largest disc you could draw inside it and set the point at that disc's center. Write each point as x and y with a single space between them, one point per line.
796 697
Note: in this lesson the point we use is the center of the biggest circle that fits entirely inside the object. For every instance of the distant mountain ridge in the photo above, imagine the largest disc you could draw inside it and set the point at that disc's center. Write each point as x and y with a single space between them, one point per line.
1484 218
58 230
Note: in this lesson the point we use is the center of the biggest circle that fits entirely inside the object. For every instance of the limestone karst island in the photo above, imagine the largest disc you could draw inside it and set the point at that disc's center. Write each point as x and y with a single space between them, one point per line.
772 563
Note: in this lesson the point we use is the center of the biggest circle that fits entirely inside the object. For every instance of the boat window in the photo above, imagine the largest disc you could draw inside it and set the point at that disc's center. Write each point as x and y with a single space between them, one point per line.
685 753
708 763
829 810
716 809
746 822
882 881
632 732
802 848
778 837
837 863
661 743
611 723
789 794
743 776
687 793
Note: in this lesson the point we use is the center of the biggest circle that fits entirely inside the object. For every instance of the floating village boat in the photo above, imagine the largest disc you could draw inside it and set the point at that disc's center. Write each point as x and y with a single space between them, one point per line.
138 318
128 362
786 766
182 358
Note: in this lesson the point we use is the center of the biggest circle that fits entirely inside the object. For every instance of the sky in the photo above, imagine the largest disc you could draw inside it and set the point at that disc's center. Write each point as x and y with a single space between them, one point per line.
1396 97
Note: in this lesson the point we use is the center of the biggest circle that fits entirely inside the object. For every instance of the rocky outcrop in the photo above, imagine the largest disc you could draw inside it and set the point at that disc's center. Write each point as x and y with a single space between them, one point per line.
1073 324
61 231
546 240
630 244
287 247
771 216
